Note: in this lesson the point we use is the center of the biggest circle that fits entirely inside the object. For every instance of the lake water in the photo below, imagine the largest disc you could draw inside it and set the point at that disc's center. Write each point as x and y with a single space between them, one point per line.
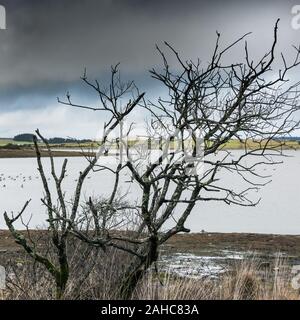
278 212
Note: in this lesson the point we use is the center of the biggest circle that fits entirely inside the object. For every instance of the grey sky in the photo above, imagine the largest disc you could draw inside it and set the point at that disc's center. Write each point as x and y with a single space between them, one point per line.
47 44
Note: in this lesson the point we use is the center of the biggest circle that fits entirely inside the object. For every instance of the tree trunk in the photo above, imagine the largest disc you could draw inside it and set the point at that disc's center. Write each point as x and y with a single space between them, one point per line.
136 272
63 275
61 281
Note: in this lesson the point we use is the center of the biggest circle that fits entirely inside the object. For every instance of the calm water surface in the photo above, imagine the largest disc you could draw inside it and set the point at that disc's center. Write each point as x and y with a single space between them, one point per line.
278 212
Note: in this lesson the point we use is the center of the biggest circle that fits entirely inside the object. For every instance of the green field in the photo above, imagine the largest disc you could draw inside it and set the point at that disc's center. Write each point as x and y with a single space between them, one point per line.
232 144
4 142
236 144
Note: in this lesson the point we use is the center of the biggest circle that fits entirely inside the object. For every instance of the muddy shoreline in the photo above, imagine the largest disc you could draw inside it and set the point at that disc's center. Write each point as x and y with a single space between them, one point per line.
265 243
28 153
200 242
197 254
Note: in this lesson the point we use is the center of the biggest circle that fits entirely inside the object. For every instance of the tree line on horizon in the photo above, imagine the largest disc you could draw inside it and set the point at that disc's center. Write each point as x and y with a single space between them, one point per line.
28 137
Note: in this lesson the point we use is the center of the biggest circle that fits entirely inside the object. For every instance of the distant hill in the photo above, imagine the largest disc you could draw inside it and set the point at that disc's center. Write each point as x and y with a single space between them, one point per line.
58 140
28 137
288 139
24 137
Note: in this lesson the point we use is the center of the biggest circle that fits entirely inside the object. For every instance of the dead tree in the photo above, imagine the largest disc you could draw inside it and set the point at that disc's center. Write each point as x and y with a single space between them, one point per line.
62 216
204 108
59 229
214 103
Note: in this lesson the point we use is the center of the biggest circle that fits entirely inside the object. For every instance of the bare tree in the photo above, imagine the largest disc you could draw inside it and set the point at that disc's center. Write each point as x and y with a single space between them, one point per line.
211 104
63 215
247 101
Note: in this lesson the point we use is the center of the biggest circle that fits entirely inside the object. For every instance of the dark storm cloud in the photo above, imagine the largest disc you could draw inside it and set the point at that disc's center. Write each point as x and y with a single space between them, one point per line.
47 44
54 40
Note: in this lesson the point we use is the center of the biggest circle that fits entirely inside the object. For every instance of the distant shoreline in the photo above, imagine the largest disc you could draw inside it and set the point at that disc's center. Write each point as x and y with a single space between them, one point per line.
28 153
202 243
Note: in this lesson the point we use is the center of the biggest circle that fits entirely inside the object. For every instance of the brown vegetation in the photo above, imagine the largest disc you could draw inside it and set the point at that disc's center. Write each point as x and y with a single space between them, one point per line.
30 153
96 278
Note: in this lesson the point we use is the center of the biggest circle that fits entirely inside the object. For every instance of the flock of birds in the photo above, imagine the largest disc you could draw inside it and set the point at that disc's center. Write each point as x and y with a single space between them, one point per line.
21 178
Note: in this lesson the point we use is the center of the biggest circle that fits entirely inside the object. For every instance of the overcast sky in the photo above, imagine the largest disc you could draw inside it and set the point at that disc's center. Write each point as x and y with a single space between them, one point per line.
48 44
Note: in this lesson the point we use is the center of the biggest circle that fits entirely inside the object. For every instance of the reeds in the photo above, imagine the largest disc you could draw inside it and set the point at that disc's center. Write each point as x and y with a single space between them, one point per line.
98 279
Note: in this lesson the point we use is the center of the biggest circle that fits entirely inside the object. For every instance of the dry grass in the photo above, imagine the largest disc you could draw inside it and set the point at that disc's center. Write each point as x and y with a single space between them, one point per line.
98 278
248 280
